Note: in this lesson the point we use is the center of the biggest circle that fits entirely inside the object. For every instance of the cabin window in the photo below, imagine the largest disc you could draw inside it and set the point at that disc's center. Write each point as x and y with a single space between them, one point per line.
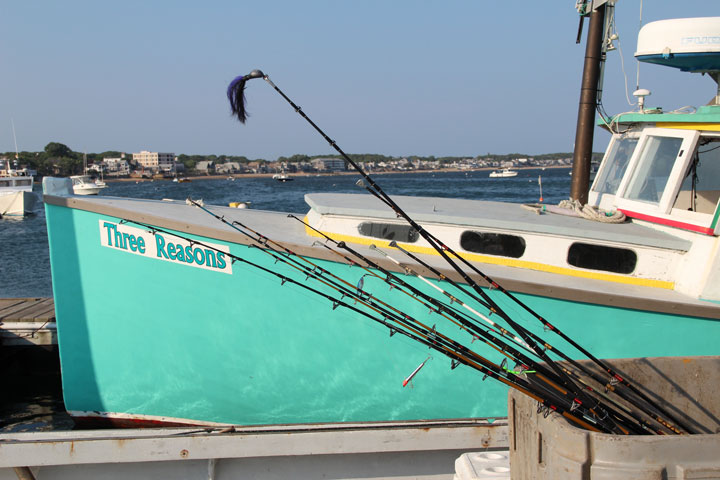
651 175
23 182
4 183
700 189
601 257
613 169
493 243
389 231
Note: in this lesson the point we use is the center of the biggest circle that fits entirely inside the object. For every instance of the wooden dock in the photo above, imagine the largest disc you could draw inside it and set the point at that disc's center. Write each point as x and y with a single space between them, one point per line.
27 321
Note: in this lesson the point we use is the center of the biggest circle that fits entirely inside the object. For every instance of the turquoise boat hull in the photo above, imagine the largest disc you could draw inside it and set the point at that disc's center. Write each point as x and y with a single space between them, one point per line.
154 339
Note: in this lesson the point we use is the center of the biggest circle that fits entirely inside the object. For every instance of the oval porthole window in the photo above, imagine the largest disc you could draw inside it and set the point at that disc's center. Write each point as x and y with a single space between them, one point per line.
602 257
389 231
500 244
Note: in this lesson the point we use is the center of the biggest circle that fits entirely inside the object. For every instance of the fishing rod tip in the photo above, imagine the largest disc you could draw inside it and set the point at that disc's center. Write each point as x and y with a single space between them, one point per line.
255 74
393 244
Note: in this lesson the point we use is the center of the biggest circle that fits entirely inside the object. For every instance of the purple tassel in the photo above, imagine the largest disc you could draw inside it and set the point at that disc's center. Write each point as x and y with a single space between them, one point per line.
236 95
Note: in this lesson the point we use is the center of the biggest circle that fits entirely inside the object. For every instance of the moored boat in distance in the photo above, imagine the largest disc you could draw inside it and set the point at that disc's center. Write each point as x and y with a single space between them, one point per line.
85 185
282 177
16 195
504 173
248 337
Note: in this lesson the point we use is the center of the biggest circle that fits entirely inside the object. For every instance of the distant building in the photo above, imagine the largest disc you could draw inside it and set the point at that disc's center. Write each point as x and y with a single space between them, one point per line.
155 161
328 164
117 166
205 166
228 167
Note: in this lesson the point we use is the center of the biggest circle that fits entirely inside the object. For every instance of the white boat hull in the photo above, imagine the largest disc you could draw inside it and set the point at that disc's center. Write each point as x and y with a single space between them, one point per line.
86 189
17 203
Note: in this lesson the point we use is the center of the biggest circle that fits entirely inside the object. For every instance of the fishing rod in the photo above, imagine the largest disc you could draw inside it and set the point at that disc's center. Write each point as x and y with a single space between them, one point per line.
455 351
387 273
452 298
547 346
441 308
500 347
317 272
399 281
263 240
236 96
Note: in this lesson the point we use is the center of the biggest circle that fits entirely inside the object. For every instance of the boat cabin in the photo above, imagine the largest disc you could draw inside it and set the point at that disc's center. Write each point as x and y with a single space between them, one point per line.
665 169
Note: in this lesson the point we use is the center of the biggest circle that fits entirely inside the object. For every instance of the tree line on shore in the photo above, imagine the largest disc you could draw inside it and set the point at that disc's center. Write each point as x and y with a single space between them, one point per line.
59 159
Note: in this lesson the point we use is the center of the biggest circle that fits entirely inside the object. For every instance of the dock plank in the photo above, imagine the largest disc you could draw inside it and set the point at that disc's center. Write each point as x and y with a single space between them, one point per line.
42 310
8 303
27 309
27 322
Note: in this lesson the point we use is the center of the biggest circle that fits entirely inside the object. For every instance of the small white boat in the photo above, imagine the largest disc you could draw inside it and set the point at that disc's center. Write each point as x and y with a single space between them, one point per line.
504 173
85 185
282 177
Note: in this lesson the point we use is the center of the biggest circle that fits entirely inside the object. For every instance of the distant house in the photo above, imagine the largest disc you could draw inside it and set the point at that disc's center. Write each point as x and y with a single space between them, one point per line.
228 167
257 167
117 166
328 164
205 166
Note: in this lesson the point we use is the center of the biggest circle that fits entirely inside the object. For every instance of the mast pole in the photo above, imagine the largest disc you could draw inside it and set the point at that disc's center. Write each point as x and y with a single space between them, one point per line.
582 154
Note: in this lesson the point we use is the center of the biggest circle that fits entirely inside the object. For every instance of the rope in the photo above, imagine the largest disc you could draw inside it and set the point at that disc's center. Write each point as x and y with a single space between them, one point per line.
593 213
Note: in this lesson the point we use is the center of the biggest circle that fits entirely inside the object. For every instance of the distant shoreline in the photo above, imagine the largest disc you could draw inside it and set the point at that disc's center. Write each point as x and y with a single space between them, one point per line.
303 174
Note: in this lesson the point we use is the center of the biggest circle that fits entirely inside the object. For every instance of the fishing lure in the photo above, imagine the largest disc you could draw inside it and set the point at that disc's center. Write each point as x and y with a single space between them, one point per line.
415 372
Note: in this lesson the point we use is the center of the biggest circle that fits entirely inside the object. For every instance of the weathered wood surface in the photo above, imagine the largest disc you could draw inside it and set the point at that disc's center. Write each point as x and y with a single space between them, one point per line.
27 321
27 309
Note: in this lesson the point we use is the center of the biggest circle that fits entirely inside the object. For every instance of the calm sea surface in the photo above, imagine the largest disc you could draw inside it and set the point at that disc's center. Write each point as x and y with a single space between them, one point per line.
25 265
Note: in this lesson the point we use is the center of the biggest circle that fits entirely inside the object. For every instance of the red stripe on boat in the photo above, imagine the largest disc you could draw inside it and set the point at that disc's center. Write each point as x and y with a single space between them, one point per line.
668 222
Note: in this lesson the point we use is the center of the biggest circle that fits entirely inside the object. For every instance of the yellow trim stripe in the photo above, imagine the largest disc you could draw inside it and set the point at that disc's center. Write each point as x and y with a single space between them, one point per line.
508 262
715 127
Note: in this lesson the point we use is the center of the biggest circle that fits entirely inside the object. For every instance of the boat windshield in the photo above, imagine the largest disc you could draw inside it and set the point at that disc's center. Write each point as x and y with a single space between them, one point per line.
656 162
610 175
700 189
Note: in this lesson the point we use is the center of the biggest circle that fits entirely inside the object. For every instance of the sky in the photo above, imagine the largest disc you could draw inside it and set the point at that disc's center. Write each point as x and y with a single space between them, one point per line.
401 77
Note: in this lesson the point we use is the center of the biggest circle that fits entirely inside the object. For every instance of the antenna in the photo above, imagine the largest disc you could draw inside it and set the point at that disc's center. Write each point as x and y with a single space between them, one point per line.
17 155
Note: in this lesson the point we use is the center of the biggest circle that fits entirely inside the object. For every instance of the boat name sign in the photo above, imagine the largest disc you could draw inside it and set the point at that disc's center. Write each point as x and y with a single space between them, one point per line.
165 247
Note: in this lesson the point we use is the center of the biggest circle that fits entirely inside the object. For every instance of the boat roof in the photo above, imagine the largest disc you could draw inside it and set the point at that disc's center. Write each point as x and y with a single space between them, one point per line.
707 114
492 215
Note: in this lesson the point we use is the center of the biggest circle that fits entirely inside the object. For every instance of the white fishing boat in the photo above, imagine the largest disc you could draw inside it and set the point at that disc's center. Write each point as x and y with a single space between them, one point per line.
84 184
646 265
504 173
16 195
